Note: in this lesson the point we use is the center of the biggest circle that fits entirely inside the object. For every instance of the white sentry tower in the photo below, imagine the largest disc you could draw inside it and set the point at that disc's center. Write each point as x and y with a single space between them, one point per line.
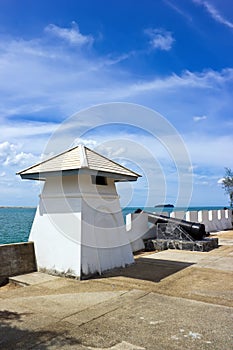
78 228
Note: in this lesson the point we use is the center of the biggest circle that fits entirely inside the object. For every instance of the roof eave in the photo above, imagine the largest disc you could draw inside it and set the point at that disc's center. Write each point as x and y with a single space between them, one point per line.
43 175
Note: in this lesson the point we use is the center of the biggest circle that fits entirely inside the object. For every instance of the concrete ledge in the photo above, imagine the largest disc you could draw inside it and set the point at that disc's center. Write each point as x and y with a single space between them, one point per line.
17 259
33 278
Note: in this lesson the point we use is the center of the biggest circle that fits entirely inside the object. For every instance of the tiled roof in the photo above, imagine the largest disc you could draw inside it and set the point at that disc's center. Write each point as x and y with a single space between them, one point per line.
79 157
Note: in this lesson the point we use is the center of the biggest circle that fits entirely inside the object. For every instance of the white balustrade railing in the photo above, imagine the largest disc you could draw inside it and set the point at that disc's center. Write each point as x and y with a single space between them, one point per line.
178 215
216 220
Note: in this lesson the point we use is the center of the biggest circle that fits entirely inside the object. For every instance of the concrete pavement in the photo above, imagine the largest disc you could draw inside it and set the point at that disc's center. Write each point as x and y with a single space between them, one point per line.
167 300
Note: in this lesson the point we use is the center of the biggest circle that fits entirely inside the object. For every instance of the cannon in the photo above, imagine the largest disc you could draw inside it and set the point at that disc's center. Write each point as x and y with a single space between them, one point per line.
195 230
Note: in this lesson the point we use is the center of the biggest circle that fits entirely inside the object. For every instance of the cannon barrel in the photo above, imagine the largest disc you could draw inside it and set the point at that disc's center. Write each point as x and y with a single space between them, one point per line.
195 230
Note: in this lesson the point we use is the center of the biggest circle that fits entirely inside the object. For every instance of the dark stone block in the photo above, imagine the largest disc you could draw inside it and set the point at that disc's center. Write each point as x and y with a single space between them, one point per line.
204 245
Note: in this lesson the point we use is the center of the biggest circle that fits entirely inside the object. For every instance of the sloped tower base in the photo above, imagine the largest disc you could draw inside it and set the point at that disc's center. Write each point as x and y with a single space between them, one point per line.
78 236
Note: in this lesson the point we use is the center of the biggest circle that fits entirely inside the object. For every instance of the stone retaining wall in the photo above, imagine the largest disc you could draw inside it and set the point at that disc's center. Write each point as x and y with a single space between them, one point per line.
16 259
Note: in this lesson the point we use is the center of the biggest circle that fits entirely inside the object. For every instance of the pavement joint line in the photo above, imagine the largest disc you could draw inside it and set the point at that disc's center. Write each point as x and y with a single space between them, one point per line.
144 295
105 313
190 299
104 282
89 307
97 317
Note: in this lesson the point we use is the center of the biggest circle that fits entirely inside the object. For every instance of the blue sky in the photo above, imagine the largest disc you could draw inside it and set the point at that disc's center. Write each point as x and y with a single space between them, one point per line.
175 57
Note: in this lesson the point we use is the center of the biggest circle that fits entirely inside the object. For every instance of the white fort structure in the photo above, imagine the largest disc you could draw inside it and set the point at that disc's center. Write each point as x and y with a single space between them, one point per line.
78 227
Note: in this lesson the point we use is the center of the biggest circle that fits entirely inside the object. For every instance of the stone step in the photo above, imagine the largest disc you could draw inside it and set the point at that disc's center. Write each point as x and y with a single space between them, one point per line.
31 279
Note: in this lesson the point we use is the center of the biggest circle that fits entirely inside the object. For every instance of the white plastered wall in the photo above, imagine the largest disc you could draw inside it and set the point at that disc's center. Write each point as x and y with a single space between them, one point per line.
56 230
105 244
79 227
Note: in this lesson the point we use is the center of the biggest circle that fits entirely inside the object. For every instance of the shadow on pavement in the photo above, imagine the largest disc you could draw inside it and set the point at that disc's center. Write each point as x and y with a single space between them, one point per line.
148 269
12 336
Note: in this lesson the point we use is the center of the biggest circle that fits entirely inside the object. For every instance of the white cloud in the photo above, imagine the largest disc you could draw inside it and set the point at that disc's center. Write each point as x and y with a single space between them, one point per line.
192 168
5 149
209 151
199 118
205 183
44 77
2 174
58 82
72 35
44 82
160 39
214 13
178 10
220 181
27 129
24 136
20 159
86 142
206 151
10 155
187 81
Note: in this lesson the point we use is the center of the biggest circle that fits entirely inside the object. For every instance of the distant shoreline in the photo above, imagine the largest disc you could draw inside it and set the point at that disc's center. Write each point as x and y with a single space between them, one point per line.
192 208
17 207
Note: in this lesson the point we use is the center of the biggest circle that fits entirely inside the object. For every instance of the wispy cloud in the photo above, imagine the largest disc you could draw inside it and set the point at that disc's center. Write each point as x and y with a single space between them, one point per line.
178 10
38 79
160 39
43 79
44 74
55 83
28 129
72 35
199 118
214 13
209 79
201 148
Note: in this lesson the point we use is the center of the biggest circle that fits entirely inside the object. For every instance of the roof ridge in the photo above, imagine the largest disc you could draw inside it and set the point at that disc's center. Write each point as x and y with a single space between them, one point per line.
83 157
110 160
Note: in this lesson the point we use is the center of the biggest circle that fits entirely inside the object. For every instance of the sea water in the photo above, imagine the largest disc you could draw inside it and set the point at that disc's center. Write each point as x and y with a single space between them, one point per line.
15 223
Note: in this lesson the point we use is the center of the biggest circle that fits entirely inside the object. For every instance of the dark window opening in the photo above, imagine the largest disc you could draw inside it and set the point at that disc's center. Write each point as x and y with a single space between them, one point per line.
99 180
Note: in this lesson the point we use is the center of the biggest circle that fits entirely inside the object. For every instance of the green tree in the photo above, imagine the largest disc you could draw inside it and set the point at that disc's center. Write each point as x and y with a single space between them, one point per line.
227 184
